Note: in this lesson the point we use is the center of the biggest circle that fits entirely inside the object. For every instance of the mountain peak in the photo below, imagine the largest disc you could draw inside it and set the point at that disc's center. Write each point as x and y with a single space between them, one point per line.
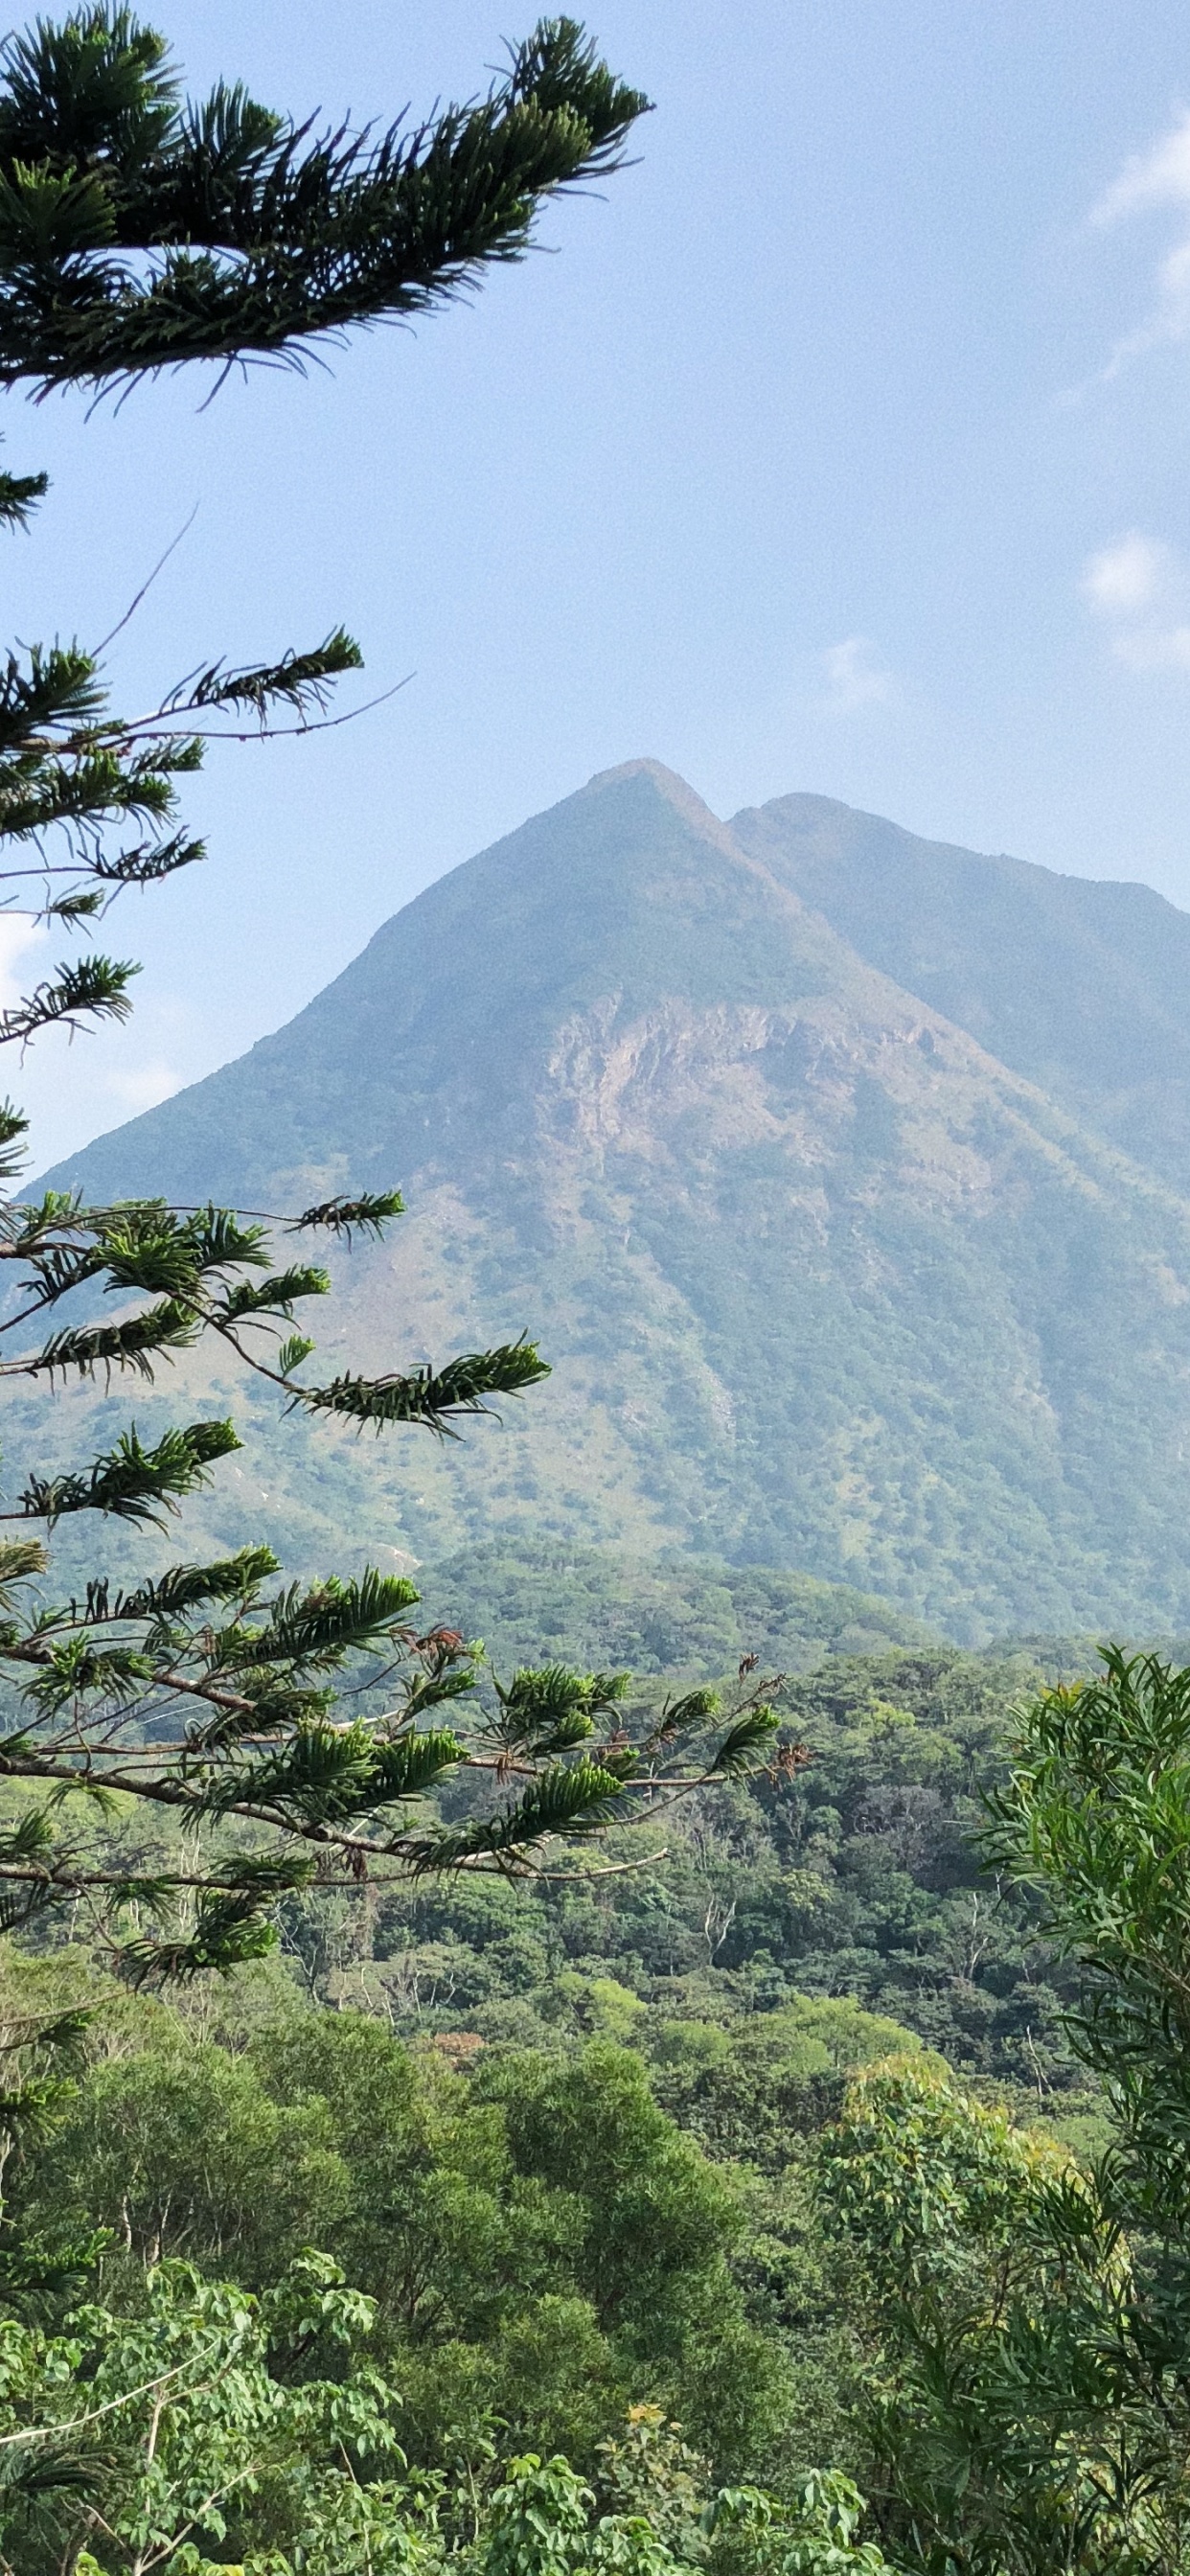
667 780
675 791
787 1139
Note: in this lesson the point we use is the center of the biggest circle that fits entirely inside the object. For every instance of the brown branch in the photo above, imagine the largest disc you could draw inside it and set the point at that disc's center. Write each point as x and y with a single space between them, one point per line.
146 584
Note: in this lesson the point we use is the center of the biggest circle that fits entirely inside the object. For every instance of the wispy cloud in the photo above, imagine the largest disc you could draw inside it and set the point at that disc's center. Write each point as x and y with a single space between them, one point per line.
1127 577
1157 178
1167 652
1140 589
142 1086
855 676
18 934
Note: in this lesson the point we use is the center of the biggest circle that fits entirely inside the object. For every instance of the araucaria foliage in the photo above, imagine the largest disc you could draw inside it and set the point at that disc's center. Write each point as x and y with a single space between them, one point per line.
137 232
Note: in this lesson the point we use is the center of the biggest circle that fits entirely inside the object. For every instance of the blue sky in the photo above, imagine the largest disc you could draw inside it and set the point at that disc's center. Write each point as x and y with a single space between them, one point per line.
844 445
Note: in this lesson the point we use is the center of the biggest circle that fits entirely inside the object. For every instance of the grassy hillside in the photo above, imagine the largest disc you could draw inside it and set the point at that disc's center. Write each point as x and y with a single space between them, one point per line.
824 1283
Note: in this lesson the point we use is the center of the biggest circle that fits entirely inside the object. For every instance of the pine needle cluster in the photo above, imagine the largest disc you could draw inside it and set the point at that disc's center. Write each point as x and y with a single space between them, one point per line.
139 230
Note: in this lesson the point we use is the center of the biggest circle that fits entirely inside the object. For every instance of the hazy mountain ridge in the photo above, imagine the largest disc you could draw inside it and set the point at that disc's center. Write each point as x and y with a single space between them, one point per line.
825 1281
1080 984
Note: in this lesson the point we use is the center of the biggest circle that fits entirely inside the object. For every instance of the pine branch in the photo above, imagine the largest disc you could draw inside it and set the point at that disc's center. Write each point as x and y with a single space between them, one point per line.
680 1715
149 861
186 1587
323 1784
26 1227
345 1217
229 1930
44 690
14 1127
573 1799
23 1900
57 1269
130 1482
273 1296
298 680
548 1710
94 988
328 1774
72 1671
19 1558
259 236
81 906
434 1398
317 1627
750 1740
18 495
130 1345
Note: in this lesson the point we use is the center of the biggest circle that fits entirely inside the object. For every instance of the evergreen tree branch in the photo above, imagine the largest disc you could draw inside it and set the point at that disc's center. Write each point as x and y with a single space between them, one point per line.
434 1398
95 988
135 234
18 495
130 1482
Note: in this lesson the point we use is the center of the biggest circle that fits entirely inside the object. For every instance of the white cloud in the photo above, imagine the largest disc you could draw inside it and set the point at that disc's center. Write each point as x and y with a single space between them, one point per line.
1157 178
17 935
855 677
1127 576
1140 589
143 1085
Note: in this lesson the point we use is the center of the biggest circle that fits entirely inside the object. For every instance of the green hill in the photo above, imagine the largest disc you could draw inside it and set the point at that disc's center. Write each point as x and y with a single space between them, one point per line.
826 1283
684 1617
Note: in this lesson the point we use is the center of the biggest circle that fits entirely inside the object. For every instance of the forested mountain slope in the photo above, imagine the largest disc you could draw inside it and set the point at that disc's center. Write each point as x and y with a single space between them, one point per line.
825 1283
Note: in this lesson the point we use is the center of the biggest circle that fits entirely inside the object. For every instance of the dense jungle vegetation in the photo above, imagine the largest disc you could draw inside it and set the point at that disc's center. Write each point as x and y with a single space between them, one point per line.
597 2277
851 1873
543 2169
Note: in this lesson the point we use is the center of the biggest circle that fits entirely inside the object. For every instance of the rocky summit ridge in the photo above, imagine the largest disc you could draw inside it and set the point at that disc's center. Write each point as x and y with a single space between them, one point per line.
840 1175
